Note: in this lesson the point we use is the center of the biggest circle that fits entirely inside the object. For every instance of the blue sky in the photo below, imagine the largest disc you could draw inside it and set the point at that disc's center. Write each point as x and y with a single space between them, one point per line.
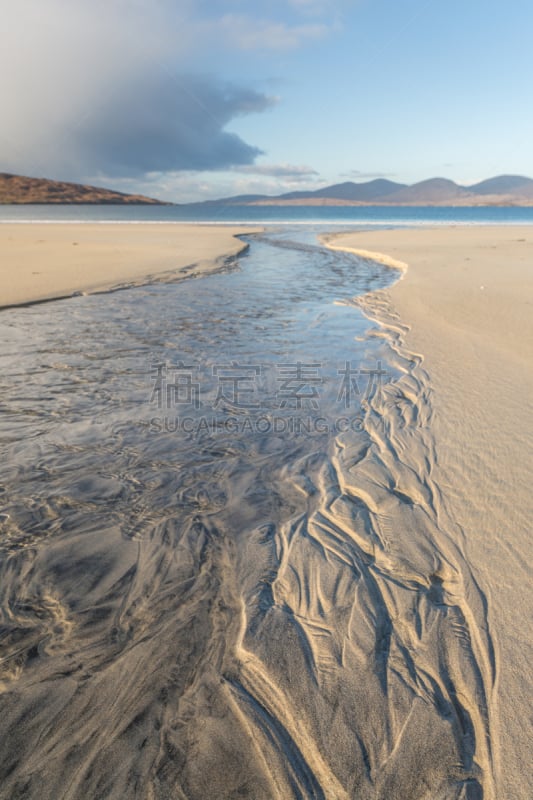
192 100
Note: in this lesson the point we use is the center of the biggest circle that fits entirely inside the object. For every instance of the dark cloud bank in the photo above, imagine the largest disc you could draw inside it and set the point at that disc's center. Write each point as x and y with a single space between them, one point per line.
91 89
171 124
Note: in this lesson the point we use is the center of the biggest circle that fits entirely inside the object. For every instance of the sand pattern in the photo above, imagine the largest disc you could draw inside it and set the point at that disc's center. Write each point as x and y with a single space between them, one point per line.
246 617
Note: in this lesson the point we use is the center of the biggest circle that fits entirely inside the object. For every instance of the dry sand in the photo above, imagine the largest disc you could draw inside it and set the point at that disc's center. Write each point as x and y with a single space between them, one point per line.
44 261
466 304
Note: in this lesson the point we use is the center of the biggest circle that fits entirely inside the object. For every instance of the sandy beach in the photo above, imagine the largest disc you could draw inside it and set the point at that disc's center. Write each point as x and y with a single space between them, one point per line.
269 616
44 262
466 301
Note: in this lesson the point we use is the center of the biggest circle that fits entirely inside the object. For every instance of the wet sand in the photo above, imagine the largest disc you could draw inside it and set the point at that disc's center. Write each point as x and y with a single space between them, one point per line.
466 302
49 261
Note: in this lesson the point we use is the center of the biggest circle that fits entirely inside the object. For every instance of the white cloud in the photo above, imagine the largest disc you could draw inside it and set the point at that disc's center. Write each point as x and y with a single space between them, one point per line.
89 88
278 171
329 8
367 176
190 187
105 88
248 33
311 6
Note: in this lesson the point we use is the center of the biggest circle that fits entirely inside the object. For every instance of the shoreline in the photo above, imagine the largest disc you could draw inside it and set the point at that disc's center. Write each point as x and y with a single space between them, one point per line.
43 261
463 264
464 303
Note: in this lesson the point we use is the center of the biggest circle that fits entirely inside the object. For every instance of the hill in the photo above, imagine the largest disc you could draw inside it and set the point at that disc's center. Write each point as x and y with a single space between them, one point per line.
18 189
505 190
503 184
434 190
353 192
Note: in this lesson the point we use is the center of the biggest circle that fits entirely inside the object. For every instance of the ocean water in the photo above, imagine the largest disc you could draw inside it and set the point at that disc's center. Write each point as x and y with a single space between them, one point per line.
300 215
225 568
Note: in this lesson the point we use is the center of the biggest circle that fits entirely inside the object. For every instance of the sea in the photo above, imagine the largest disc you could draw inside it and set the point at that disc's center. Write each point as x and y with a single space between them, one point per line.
271 215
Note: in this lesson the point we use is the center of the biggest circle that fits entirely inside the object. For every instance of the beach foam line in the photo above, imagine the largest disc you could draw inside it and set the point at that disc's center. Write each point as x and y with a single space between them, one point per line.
381 258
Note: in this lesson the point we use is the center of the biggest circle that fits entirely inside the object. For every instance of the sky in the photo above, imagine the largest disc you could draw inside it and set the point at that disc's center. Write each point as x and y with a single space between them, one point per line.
190 100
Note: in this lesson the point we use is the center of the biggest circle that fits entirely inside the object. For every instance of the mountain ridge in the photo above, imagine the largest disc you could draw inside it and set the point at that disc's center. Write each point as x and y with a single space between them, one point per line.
502 190
22 190
505 190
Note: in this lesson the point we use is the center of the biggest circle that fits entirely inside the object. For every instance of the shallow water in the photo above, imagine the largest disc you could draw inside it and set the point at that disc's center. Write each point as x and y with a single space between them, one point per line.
84 380
226 568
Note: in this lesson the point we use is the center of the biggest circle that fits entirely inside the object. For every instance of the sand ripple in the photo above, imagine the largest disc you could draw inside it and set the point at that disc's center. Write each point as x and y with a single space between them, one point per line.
239 616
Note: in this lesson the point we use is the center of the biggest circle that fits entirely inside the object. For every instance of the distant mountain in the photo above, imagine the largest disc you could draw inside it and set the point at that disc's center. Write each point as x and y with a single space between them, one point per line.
18 189
236 200
526 190
504 190
434 190
356 192
347 192
504 184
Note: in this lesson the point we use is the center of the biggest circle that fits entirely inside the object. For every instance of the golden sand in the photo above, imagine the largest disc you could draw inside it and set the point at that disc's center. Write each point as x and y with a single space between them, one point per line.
467 301
47 261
